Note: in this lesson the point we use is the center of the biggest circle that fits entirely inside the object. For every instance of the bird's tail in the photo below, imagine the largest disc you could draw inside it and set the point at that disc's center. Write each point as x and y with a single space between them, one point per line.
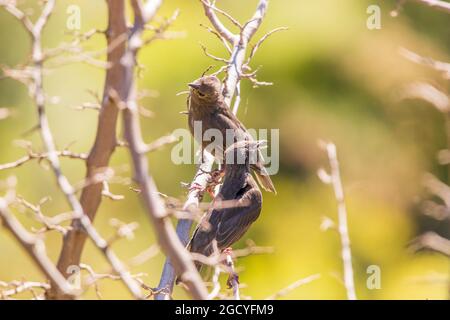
198 264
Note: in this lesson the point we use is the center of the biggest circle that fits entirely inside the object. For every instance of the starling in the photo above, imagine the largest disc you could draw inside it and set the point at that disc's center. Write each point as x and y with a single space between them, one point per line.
206 104
227 224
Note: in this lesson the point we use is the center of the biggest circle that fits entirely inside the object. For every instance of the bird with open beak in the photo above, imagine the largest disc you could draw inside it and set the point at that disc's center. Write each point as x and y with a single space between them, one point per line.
206 104
223 225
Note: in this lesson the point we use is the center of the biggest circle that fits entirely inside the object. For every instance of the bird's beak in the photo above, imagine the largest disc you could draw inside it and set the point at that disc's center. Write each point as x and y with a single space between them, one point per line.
194 85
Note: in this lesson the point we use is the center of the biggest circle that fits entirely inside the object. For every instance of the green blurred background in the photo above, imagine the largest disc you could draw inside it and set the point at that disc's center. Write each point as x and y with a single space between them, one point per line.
333 79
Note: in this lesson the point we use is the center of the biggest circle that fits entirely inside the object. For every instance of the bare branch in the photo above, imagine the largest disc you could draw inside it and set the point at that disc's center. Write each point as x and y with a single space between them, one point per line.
293 286
108 194
260 42
160 142
217 34
432 241
225 14
18 14
221 29
443 67
40 156
35 248
335 179
17 287
438 188
145 255
39 216
205 51
436 4
236 63
428 93
94 278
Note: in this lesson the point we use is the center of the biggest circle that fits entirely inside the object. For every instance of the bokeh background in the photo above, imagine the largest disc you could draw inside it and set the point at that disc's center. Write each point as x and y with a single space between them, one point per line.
333 79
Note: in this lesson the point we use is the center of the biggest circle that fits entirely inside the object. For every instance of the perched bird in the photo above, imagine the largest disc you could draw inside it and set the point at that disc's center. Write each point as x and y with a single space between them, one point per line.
227 224
206 103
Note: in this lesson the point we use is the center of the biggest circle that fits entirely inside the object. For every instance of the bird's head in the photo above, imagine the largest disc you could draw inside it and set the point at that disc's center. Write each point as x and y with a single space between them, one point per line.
206 89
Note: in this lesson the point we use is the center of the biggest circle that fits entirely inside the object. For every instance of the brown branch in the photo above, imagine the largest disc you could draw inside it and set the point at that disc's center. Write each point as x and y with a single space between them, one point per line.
105 140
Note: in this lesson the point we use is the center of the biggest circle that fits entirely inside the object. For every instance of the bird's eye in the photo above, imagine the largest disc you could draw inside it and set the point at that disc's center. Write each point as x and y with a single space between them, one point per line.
200 93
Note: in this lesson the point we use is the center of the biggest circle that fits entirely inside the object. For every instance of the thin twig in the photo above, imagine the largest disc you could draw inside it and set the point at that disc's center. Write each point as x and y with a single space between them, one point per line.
334 178
17 287
293 286
432 241
39 156
440 66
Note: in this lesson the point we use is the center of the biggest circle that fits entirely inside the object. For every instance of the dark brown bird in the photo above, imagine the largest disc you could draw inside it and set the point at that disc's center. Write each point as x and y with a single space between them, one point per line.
227 224
206 104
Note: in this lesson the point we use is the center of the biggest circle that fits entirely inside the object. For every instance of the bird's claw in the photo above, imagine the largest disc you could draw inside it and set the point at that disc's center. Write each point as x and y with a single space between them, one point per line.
233 278
217 175
215 179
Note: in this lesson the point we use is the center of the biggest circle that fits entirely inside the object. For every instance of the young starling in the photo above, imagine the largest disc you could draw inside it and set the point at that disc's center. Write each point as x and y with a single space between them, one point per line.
227 224
206 104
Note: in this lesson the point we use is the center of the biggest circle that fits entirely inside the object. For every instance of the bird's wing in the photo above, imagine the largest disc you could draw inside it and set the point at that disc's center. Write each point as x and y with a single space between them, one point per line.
228 225
235 122
202 237
235 221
